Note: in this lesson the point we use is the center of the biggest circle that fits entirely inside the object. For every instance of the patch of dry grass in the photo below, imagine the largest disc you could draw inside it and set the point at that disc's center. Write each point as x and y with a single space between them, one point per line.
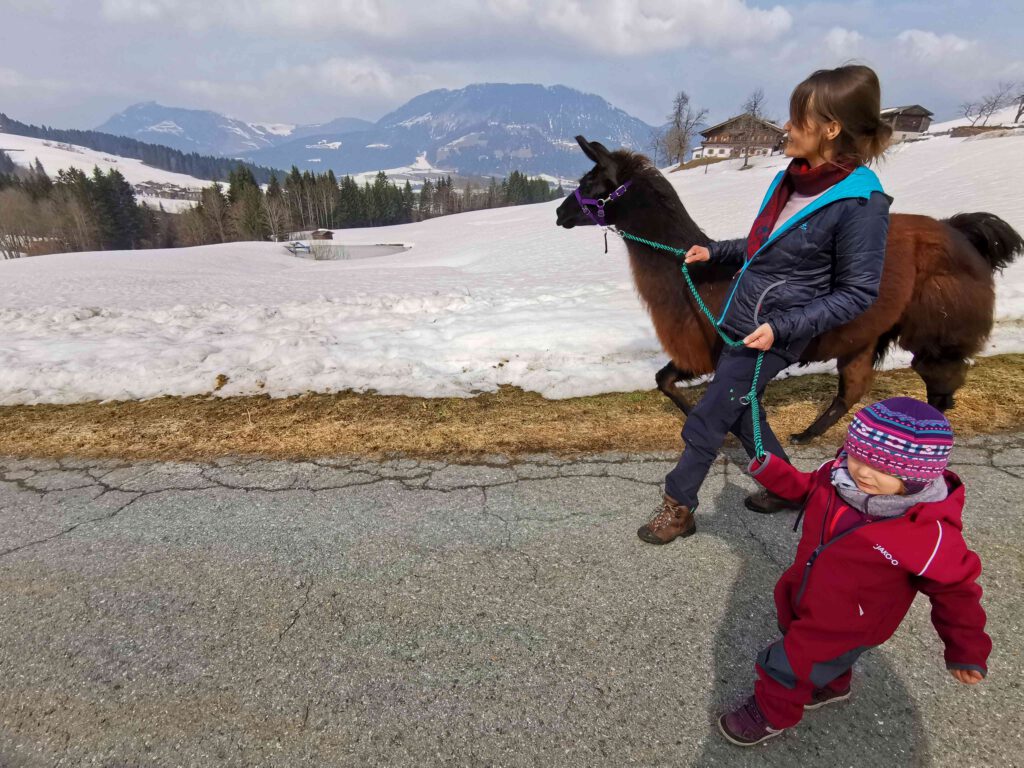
508 422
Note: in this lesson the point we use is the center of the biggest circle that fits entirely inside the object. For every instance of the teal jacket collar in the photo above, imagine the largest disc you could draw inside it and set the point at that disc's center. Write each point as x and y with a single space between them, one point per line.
862 182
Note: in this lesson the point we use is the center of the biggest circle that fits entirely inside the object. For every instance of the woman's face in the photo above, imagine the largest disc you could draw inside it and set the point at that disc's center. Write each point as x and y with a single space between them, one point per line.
871 481
809 140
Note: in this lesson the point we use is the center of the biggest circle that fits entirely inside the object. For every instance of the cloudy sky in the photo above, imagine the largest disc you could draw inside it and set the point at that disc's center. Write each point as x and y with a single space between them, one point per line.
73 63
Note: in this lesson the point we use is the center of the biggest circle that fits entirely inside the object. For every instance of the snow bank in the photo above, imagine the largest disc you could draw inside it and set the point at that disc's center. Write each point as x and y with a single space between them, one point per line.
481 300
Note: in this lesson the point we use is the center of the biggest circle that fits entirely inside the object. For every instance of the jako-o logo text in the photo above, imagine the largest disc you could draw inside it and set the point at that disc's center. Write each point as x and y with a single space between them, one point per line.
886 554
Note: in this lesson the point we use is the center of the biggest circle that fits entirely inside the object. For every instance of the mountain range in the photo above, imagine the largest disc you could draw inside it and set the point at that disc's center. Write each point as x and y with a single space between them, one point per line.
482 129
211 133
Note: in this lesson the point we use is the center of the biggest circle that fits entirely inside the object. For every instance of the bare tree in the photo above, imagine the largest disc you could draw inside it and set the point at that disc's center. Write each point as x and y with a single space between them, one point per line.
1020 103
1003 95
970 110
215 206
276 213
998 98
754 105
684 121
656 145
20 223
74 225
192 228
751 126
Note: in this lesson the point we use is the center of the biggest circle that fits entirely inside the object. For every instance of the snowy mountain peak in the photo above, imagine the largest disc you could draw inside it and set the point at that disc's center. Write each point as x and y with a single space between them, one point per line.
482 129
211 133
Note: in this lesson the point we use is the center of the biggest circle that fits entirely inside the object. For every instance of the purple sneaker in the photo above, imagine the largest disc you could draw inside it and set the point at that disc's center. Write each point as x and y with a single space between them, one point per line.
746 726
823 696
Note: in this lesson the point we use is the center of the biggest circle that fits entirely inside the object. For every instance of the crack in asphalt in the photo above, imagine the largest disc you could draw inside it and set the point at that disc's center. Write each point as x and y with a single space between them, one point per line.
412 475
298 611
70 528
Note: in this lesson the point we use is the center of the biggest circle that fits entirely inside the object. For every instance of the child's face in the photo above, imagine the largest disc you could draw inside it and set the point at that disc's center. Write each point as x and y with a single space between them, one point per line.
871 481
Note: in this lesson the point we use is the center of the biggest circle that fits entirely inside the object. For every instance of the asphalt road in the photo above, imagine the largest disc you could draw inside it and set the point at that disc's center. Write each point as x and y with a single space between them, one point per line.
346 613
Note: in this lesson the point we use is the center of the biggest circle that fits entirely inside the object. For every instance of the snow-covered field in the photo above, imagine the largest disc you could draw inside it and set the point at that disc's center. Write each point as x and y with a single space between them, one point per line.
482 299
55 156
415 174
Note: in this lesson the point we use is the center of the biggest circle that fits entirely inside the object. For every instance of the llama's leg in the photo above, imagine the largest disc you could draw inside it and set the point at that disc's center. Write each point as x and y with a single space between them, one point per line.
667 378
856 373
942 378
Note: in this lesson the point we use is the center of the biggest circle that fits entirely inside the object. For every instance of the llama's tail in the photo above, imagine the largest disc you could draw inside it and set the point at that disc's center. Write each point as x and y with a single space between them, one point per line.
995 240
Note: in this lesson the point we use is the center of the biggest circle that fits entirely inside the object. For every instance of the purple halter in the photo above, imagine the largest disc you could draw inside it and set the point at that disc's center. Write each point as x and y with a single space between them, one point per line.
600 203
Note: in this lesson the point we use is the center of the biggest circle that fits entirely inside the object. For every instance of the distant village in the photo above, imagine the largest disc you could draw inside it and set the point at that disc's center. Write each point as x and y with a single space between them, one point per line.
748 135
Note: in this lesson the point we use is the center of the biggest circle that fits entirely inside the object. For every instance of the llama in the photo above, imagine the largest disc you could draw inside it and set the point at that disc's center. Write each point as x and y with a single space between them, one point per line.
936 296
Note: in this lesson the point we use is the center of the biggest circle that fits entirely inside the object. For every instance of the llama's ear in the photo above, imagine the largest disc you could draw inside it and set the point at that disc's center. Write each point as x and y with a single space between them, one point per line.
595 150
587 148
601 150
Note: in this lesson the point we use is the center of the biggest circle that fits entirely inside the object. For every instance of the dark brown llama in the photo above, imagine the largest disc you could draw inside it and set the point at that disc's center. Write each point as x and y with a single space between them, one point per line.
936 296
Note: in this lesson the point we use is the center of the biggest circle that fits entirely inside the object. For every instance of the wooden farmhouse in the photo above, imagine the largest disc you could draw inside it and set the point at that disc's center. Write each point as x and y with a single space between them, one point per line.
907 122
739 136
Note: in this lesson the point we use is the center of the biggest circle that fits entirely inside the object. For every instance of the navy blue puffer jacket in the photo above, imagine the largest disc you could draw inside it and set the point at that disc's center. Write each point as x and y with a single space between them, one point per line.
819 270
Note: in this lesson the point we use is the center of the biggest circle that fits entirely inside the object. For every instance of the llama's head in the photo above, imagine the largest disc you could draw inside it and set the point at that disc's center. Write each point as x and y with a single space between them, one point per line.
604 184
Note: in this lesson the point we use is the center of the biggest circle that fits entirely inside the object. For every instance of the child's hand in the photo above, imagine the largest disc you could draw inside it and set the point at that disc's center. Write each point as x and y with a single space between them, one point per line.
967 676
761 339
697 253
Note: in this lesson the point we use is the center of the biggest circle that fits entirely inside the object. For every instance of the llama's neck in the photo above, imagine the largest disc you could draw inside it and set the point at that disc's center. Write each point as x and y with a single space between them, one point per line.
657 273
661 217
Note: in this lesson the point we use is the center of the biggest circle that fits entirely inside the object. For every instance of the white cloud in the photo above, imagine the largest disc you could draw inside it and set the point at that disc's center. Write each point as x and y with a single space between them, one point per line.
359 77
214 92
843 42
629 27
358 86
928 47
617 27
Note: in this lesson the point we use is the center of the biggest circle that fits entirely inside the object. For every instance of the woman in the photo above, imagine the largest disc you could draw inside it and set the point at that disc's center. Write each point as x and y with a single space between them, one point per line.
812 262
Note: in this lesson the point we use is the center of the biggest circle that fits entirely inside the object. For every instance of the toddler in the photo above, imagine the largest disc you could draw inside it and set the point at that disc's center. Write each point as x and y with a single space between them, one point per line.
882 522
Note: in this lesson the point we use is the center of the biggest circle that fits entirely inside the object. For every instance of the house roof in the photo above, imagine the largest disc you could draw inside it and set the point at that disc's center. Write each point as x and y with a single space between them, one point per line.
766 123
916 108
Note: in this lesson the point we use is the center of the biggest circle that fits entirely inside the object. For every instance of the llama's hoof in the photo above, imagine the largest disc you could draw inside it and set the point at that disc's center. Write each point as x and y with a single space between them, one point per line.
801 438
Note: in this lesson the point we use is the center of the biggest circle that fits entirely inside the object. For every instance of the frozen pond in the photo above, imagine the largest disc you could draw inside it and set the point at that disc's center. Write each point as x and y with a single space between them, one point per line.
327 250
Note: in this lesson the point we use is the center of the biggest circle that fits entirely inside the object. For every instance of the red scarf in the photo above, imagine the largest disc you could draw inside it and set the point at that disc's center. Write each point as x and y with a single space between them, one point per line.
803 180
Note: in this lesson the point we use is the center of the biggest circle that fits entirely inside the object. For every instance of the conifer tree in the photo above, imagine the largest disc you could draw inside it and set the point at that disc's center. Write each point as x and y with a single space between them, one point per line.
492 193
408 202
426 206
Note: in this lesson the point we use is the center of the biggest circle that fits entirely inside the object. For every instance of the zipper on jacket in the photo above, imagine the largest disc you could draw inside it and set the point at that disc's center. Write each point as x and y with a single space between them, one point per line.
800 216
760 300
823 545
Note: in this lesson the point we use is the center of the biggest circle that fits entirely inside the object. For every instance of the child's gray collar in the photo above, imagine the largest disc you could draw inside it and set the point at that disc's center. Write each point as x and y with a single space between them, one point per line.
883 505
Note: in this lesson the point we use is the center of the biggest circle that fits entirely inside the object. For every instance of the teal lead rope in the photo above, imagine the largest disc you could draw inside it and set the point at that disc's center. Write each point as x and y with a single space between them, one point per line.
751 397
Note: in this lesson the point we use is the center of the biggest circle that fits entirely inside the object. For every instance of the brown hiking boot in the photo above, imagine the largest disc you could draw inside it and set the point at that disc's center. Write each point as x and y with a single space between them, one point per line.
671 520
767 503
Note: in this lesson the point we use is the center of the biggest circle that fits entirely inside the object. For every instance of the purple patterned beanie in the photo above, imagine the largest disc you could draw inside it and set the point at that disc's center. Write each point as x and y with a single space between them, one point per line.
902 437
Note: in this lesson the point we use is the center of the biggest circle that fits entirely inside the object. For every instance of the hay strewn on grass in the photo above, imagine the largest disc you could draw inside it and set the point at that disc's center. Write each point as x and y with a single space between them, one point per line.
509 422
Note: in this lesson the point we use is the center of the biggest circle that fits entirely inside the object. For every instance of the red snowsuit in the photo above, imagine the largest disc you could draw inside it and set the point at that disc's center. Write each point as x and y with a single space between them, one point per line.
847 593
